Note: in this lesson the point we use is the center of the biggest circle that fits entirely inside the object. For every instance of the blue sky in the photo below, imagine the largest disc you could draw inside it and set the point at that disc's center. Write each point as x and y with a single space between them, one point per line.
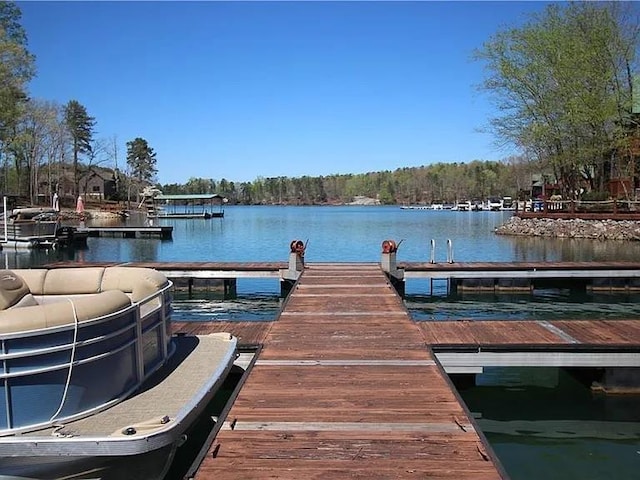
240 90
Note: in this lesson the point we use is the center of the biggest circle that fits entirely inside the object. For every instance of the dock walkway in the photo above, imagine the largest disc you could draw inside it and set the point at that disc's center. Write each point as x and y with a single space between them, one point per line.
345 386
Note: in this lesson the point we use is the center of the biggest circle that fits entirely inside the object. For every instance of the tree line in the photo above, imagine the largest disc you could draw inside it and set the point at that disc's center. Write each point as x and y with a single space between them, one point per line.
46 147
436 183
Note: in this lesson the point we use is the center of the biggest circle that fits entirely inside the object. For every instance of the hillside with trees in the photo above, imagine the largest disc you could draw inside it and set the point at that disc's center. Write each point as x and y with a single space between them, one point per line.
437 183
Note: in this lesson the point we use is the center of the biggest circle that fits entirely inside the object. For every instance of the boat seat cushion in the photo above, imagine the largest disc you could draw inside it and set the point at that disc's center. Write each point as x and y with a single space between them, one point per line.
62 312
27 301
73 281
13 289
34 278
139 282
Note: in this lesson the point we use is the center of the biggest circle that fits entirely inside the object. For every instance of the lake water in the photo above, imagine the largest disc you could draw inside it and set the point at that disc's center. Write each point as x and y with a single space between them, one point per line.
541 422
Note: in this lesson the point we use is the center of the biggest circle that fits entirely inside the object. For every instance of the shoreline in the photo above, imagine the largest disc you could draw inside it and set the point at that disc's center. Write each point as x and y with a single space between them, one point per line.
625 230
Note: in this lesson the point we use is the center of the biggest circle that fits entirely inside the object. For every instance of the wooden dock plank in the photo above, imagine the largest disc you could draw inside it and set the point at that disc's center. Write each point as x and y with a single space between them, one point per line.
602 332
343 337
365 469
347 394
470 332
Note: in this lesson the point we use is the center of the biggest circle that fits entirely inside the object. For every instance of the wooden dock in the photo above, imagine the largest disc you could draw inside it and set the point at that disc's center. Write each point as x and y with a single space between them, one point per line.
345 386
164 232
526 276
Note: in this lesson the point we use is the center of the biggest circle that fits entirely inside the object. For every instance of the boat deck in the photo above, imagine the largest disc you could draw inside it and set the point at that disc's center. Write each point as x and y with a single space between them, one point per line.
345 386
198 367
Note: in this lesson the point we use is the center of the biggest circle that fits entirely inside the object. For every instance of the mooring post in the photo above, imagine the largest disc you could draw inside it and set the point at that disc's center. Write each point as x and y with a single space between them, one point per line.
390 267
289 276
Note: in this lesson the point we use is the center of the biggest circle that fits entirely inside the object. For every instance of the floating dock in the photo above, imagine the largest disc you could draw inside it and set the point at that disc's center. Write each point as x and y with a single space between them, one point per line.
164 232
522 276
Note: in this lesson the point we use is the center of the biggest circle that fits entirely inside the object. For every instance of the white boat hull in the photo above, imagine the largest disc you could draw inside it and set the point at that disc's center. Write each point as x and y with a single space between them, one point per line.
98 448
150 466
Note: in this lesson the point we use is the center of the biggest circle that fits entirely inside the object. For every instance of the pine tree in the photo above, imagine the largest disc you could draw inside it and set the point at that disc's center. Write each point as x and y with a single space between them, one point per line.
141 160
80 126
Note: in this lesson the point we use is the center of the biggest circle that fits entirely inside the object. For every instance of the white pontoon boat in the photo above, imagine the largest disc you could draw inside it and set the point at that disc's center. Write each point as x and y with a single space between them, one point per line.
92 384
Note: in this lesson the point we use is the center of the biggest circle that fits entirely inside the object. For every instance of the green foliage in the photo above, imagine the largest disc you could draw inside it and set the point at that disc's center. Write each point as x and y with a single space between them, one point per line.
562 86
141 160
17 67
440 182
595 196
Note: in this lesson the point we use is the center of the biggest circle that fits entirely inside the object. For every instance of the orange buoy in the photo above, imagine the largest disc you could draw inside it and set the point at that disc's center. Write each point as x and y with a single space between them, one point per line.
389 246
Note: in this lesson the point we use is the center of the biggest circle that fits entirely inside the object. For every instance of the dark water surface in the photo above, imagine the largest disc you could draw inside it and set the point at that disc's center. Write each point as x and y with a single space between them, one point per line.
542 422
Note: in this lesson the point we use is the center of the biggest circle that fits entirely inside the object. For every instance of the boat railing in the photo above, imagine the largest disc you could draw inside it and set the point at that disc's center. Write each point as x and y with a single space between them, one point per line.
37 228
63 372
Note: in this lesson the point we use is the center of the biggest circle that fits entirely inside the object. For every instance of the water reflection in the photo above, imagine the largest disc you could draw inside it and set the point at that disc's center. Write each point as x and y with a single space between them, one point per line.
544 305
544 423
573 250
213 307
